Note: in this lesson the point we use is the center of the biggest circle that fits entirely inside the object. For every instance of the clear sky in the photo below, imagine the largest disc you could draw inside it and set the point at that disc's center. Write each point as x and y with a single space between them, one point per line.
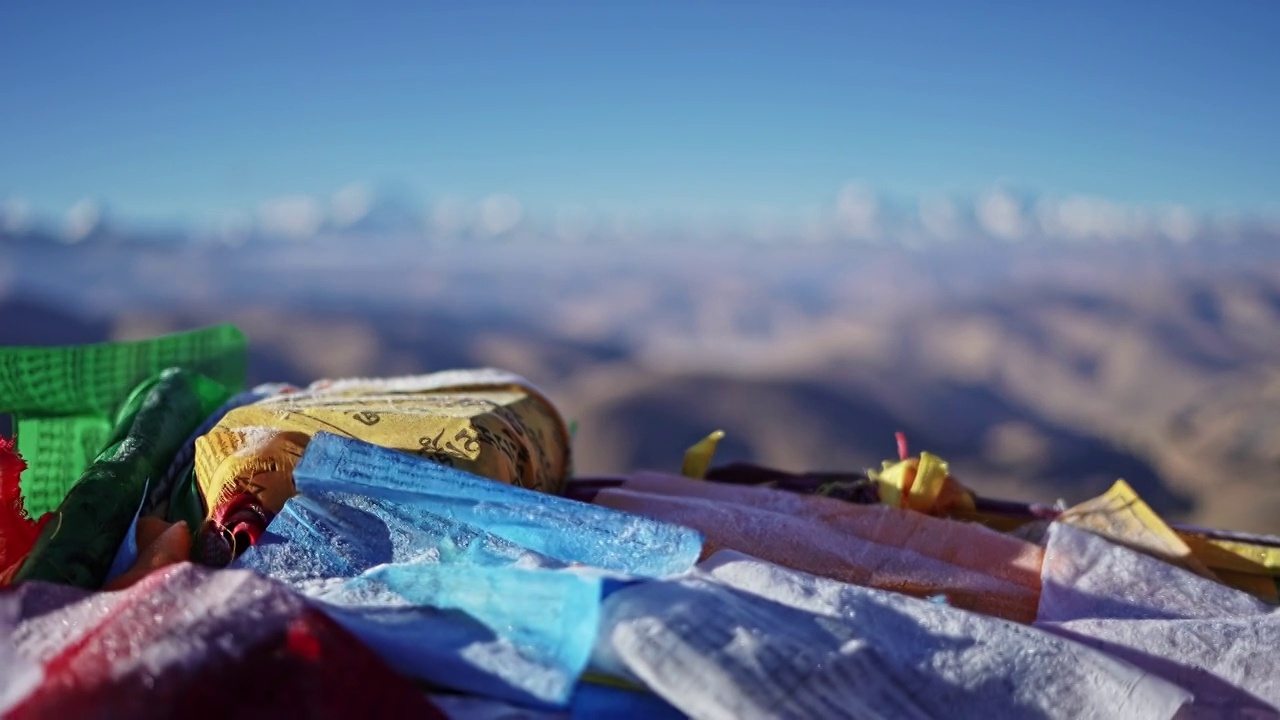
175 110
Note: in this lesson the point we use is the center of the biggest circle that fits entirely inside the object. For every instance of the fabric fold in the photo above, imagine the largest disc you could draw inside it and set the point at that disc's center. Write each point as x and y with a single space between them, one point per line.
1218 642
875 546
715 646
190 642
567 530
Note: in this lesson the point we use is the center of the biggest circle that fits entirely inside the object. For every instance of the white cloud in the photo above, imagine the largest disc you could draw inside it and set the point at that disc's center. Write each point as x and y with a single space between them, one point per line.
939 217
703 227
857 212
1179 224
814 225
1271 219
572 223
82 219
1047 210
349 205
233 227
767 224
292 216
629 226
1229 227
1080 217
449 216
15 216
1000 214
498 214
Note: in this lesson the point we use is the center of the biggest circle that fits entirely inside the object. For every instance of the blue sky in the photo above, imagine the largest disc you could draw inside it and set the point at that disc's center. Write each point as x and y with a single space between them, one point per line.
176 111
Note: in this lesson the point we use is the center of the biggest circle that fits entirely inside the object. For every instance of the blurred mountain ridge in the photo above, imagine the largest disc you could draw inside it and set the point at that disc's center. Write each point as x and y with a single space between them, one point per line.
1039 372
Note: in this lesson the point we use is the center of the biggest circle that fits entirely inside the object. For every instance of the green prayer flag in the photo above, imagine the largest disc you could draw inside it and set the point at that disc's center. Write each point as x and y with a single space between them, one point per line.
78 544
64 399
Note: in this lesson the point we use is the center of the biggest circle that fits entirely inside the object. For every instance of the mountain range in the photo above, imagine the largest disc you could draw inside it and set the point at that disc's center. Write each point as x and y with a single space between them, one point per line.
1039 371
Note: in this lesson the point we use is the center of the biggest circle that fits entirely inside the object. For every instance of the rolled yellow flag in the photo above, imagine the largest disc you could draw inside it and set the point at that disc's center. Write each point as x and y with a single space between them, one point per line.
922 484
487 422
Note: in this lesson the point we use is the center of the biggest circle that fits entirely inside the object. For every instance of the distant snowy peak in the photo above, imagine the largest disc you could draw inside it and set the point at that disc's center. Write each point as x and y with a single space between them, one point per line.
856 215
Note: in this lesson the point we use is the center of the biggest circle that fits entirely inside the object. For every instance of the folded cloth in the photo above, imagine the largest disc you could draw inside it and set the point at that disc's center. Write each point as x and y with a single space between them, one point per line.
64 399
492 423
1217 642
567 530
194 643
605 701
472 707
441 600
234 526
427 593
877 546
327 534
79 544
832 650
522 635
1041 672
160 545
589 703
1125 519
21 674
176 491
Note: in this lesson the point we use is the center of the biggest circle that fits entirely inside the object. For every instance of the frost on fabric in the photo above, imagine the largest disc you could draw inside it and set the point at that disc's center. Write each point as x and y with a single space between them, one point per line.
196 643
523 635
327 534
557 527
1217 642
785 644
875 546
